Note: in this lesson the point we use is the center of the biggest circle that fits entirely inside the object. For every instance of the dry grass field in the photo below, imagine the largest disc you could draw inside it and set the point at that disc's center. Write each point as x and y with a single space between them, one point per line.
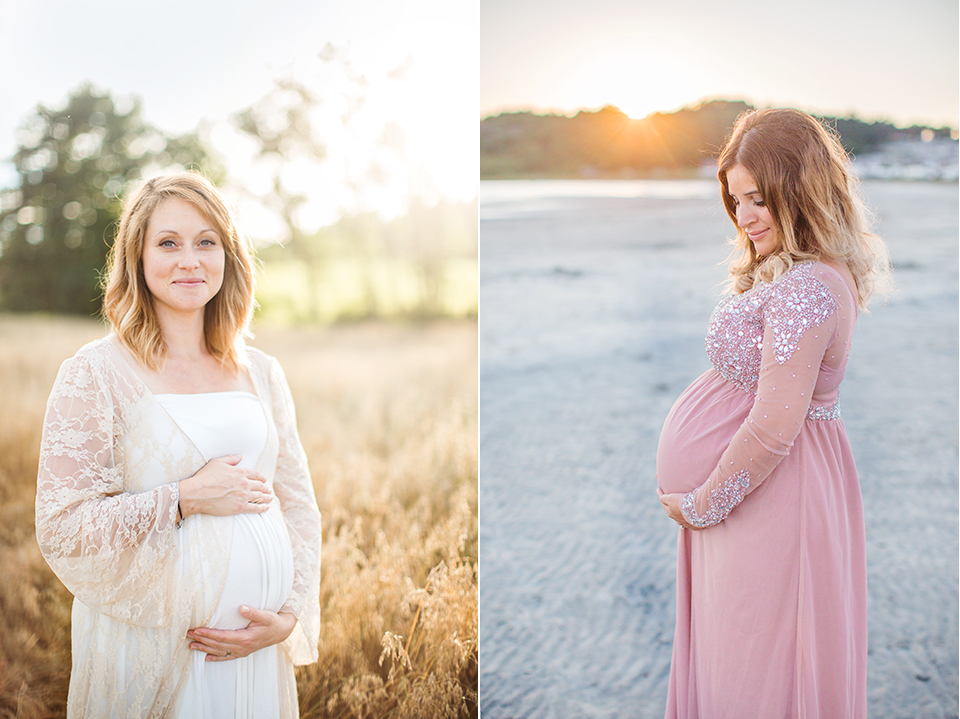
388 417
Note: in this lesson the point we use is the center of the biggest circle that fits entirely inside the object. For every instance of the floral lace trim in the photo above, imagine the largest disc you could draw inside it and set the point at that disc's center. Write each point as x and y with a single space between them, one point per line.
722 500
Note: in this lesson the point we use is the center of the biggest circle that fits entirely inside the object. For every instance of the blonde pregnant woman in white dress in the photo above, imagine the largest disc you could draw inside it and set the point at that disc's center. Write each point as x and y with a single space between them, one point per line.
173 496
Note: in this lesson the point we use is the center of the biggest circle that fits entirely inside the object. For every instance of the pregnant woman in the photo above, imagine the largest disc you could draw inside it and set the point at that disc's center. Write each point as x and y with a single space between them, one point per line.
754 462
174 499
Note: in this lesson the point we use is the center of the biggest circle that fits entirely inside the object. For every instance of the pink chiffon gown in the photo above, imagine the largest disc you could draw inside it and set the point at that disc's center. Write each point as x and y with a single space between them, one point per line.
772 590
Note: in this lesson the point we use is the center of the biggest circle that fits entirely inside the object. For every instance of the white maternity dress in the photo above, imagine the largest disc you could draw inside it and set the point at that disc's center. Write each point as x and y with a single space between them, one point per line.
107 494
260 570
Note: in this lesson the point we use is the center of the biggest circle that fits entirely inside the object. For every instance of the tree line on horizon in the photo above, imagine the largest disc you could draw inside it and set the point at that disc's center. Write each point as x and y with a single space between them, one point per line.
608 143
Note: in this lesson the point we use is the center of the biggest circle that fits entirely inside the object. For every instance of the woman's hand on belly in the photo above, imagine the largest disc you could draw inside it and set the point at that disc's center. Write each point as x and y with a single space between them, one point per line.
265 629
671 503
221 488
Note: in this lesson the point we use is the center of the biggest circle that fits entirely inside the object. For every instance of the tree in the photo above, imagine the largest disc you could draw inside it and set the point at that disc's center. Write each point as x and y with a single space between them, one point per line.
281 126
312 137
74 164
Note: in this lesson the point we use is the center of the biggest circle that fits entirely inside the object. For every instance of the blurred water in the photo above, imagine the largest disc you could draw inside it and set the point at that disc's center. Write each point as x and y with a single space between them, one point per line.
593 309
512 198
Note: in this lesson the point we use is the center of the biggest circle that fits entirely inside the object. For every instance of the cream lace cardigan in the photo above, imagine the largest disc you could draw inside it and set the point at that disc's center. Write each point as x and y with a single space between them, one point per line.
107 494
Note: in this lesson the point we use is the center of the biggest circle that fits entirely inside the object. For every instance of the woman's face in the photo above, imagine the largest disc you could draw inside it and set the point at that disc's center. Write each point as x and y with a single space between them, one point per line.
752 214
183 258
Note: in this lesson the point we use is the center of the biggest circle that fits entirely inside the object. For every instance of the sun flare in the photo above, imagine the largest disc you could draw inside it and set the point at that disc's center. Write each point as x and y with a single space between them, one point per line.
637 81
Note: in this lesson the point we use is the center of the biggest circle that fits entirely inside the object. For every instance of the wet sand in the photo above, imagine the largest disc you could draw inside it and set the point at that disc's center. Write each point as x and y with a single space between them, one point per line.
593 313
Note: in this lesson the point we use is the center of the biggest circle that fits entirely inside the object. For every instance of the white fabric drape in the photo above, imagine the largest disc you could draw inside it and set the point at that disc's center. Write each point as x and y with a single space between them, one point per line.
107 497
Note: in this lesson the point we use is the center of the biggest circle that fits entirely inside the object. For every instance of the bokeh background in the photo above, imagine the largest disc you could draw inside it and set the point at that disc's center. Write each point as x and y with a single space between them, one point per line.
345 135
343 132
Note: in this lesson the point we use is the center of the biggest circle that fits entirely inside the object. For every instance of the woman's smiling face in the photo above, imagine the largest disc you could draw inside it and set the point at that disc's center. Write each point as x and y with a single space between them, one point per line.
753 216
183 257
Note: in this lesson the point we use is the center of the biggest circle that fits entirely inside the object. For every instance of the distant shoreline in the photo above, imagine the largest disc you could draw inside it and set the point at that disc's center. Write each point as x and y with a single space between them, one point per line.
592 174
606 177
607 144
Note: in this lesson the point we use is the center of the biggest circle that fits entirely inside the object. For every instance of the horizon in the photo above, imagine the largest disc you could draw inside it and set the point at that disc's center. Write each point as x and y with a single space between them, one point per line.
558 112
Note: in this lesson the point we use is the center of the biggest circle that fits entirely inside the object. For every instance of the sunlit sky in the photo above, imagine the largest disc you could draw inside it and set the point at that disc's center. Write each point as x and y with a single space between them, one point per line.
880 59
193 60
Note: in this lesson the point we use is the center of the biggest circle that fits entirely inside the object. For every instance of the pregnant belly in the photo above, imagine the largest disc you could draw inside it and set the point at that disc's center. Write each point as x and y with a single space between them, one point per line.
260 572
697 430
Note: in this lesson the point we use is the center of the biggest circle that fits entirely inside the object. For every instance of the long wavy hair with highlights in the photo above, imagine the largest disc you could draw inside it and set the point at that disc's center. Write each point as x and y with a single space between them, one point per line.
803 174
128 304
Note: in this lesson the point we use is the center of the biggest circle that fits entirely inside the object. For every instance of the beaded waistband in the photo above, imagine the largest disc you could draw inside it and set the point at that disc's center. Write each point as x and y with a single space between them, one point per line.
824 412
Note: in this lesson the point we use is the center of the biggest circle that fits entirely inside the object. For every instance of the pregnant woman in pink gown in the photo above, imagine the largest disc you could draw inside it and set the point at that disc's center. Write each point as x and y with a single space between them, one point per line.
754 462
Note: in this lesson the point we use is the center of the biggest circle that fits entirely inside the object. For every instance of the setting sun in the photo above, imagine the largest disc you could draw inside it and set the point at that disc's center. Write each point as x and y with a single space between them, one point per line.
636 80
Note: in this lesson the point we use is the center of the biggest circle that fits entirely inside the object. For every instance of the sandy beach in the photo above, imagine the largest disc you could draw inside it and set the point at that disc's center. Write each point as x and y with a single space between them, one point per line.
593 313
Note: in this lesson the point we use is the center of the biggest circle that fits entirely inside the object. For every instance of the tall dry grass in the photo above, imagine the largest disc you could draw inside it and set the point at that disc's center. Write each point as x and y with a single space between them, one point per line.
387 415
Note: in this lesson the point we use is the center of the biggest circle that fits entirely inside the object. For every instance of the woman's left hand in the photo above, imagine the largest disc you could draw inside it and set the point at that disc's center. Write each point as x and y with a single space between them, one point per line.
265 629
671 503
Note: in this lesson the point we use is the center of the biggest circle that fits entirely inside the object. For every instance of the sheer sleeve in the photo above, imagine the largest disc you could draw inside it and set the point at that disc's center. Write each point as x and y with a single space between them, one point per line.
294 488
111 548
800 324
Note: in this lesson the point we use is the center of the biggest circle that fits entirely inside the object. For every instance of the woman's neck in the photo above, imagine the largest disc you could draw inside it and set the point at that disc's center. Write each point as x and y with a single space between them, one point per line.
183 335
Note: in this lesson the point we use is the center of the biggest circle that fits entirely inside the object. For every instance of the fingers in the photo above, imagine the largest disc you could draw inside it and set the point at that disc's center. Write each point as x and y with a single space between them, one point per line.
223 487
215 651
220 645
258 498
259 494
256 476
213 638
252 507
258 486
265 629
671 505
260 616
227 644
226 658
217 654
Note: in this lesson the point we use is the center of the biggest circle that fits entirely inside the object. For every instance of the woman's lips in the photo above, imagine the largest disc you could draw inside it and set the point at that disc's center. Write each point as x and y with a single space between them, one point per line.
191 282
754 236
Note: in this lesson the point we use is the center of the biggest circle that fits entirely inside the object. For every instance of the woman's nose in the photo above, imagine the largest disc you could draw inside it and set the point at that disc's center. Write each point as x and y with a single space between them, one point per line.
745 216
188 257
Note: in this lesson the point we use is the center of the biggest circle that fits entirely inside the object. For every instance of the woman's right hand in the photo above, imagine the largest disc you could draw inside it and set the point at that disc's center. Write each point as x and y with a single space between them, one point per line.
221 488
671 504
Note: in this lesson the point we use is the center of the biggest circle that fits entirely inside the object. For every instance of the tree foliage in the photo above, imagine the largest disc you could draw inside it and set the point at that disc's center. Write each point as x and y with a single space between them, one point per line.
74 164
314 137
281 126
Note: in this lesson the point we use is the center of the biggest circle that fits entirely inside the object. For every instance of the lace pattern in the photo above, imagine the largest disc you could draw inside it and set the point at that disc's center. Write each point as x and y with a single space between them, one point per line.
107 525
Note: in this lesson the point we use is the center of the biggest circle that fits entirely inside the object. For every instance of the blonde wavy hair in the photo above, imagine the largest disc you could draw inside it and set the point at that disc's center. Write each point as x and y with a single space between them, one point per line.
127 303
803 174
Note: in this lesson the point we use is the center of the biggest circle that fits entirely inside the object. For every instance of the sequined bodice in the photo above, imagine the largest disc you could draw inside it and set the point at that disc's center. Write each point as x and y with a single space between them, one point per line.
790 305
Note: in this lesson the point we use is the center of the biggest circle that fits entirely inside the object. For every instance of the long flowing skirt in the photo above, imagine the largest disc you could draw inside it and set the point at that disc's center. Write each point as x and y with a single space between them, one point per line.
771 602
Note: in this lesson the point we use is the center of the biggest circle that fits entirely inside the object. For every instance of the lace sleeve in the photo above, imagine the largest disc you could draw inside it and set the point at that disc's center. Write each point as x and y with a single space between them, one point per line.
294 488
111 548
800 323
